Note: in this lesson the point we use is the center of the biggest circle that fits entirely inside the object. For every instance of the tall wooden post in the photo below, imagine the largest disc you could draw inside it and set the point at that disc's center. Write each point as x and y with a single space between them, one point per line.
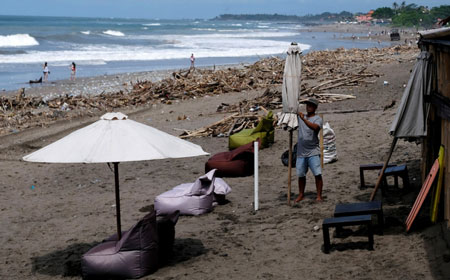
380 177
116 179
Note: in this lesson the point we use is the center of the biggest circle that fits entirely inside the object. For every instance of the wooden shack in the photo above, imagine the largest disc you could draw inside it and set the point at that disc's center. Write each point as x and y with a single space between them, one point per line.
437 42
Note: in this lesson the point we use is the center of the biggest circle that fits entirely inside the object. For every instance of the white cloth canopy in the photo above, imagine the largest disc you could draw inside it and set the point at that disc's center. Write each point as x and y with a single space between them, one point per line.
411 118
115 138
291 87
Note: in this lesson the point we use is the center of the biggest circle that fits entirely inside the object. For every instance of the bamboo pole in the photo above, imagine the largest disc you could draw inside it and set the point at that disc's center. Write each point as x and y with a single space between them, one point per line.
256 172
380 177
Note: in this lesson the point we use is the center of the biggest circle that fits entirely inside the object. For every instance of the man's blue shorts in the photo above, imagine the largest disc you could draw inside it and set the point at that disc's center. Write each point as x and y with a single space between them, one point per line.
312 162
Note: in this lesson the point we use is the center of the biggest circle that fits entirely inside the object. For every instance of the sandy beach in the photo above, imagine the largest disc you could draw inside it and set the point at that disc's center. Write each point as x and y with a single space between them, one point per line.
53 213
371 32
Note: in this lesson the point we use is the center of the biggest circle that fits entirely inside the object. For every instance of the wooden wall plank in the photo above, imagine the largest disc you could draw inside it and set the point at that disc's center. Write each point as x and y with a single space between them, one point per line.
446 183
443 75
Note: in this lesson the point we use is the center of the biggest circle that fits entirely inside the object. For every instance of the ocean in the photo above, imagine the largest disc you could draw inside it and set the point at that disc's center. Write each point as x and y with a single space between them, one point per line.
113 45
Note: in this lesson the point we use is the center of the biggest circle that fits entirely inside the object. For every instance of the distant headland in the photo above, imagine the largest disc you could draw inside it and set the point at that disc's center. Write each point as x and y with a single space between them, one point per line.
324 17
410 15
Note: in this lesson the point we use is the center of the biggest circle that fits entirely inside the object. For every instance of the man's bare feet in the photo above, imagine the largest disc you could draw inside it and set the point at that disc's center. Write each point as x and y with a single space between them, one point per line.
319 199
299 198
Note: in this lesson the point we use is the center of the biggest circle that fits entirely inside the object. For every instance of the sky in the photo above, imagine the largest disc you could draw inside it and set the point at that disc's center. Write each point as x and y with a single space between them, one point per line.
191 9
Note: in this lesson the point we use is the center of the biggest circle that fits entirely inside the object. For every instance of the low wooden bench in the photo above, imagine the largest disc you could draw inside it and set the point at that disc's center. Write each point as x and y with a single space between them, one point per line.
361 208
346 221
374 166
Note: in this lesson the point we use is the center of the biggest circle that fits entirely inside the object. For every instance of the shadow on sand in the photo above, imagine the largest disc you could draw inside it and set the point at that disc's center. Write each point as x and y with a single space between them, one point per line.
67 262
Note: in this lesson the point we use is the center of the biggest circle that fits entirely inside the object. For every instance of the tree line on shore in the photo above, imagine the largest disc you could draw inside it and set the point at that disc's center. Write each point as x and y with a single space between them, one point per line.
399 14
412 14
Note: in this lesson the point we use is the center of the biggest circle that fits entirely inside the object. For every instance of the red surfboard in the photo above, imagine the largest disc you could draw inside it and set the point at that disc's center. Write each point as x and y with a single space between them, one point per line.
422 195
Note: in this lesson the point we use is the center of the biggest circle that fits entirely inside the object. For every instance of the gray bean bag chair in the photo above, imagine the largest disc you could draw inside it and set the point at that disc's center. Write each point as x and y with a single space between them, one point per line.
190 198
221 189
134 256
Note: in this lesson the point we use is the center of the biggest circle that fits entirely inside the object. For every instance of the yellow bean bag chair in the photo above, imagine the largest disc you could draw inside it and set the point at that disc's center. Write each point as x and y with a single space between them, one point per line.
265 131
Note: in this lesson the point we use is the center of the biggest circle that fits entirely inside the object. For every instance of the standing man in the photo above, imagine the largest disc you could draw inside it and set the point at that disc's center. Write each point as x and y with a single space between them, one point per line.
192 61
308 148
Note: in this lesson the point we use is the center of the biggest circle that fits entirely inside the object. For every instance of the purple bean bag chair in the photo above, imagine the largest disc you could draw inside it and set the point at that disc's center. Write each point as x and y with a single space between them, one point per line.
190 199
235 163
134 256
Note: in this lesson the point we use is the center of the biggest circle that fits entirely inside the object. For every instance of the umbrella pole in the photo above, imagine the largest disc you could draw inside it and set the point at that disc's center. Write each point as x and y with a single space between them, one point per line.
116 178
380 177
290 167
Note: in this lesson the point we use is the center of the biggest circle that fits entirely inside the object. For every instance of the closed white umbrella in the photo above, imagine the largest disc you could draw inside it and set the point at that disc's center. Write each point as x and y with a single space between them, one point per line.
115 138
290 93
290 90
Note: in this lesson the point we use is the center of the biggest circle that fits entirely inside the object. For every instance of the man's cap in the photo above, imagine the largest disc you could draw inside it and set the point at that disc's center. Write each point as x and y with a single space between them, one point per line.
312 101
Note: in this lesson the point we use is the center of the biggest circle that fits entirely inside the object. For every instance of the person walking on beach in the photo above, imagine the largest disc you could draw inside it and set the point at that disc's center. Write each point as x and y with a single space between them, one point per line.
192 61
73 71
308 148
46 72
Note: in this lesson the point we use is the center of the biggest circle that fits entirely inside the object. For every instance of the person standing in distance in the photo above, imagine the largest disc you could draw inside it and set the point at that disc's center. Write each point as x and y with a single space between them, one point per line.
73 71
46 72
308 148
192 61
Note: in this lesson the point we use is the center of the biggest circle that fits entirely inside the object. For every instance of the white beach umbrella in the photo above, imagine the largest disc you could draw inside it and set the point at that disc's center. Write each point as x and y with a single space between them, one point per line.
290 90
290 93
115 138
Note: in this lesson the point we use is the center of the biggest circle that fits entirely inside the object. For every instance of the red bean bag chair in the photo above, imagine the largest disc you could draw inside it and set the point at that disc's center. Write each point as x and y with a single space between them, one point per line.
235 163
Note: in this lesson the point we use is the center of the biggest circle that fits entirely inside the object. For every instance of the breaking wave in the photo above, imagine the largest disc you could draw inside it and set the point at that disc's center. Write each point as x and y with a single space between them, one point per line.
18 40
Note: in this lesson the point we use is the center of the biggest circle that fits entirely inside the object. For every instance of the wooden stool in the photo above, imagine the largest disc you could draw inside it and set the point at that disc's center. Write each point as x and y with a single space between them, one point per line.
397 171
346 221
361 208
373 166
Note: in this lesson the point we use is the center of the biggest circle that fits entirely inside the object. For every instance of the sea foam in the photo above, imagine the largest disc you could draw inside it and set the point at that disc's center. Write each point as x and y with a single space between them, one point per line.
113 33
18 40
94 54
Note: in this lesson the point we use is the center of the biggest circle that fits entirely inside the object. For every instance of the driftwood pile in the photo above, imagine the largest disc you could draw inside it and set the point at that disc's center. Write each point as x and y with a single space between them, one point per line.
270 99
225 127
201 82
322 71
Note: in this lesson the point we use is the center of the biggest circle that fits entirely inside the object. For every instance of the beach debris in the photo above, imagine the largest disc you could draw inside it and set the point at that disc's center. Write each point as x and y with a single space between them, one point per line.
322 72
37 81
